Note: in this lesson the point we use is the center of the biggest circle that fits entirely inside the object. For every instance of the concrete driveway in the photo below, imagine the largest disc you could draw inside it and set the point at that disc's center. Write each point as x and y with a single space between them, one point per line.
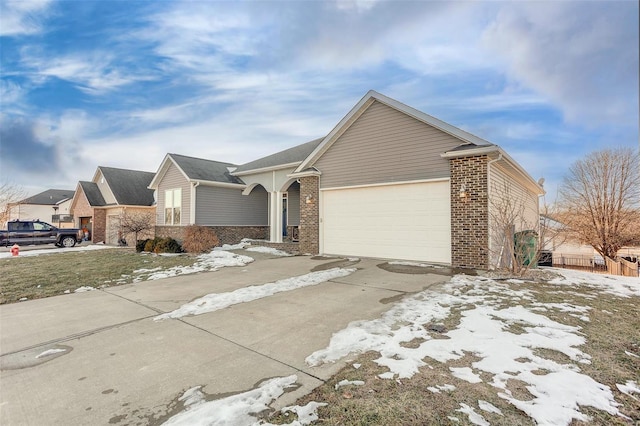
111 363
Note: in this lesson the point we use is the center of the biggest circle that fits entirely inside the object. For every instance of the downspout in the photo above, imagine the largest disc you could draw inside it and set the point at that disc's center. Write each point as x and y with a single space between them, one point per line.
192 207
489 205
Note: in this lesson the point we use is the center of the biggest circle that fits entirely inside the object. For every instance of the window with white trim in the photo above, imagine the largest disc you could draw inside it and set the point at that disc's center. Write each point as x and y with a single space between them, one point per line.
172 206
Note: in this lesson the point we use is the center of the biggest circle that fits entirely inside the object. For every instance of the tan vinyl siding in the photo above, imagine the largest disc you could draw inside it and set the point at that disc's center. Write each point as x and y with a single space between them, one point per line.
174 179
385 145
293 212
104 189
216 206
506 190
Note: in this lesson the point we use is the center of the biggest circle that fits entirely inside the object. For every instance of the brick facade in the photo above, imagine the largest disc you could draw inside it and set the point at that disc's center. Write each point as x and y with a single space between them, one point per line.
99 220
309 215
226 234
470 215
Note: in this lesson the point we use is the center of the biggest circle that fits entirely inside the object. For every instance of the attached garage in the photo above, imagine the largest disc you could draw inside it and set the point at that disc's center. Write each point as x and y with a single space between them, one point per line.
410 221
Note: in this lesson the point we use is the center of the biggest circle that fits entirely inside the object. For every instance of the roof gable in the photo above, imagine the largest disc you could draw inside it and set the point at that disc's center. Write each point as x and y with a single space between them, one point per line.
371 97
129 187
199 169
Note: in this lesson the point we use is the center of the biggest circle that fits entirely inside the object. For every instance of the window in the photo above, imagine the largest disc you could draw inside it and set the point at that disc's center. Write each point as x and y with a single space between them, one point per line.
172 206
41 226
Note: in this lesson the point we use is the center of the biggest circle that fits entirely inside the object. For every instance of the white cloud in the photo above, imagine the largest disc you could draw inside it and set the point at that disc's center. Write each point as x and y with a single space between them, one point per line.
583 56
22 17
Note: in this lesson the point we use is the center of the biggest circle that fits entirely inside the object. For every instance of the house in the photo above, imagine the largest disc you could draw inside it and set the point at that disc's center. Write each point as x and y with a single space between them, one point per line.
52 206
99 204
195 191
388 181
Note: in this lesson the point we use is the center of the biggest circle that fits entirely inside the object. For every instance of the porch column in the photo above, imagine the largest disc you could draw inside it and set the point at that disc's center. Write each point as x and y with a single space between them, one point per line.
275 216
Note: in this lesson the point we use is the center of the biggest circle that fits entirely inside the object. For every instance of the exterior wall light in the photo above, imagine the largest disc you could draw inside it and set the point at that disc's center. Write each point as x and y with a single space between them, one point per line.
308 199
463 191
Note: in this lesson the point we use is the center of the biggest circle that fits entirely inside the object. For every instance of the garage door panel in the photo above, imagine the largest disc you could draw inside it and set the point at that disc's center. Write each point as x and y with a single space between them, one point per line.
410 221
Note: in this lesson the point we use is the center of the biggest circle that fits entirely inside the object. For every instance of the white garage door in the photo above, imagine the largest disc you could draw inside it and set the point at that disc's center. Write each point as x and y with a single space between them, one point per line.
406 221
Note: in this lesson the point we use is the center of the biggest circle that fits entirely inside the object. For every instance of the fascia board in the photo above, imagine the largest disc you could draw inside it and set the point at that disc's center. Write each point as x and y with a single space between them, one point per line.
162 170
266 169
469 152
218 184
523 173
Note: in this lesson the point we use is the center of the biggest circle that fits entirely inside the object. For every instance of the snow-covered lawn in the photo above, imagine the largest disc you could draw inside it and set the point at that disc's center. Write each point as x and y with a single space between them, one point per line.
502 324
55 250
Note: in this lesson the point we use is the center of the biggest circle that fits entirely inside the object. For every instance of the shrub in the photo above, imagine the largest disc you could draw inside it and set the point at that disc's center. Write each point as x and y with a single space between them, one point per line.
141 244
199 239
166 245
150 245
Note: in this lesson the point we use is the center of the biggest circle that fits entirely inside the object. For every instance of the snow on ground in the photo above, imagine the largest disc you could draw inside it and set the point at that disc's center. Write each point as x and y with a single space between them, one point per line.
612 284
418 264
558 390
629 388
241 409
39 251
346 382
268 250
474 417
50 352
83 289
216 301
211 261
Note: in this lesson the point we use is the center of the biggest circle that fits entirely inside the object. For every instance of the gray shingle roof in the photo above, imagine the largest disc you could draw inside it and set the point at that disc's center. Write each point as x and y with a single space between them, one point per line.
291 155
93 194
50 197
206 170
129 187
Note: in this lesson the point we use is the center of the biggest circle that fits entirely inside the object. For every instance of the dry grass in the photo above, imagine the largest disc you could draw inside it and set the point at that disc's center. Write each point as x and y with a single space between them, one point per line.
409 402
34 277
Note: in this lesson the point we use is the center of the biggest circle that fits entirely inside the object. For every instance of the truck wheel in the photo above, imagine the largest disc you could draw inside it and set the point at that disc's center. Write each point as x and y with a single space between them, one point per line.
67 242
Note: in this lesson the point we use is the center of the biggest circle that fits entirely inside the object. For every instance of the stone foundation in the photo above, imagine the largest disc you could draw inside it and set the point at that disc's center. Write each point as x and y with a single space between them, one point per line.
226 234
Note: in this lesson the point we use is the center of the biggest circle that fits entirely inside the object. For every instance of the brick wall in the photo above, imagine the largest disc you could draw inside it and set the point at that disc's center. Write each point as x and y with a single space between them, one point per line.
99 226
309 215
226 234
470 215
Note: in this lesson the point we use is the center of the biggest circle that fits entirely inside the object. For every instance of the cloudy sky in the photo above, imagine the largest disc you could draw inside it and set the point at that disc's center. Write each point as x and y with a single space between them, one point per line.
121 83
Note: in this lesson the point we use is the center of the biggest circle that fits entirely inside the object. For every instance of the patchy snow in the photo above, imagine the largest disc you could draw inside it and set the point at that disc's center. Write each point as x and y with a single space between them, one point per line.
356 366
474 417
439 388
631 354
346 382
232 410
503 335
83 289
612 284
306 415
216 301
211 261
268 250
417 264
39 251
50 352
629 388
226 247
489 407
466 374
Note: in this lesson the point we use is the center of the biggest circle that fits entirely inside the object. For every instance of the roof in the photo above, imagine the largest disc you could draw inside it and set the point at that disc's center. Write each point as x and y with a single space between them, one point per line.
93 194
294 155
50 197
199 169
129 187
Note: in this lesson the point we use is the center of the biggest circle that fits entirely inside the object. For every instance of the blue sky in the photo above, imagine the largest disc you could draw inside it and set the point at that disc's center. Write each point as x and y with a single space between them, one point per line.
122 83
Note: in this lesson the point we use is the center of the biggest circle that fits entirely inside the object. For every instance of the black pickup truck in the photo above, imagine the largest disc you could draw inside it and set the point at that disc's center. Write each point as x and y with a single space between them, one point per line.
28 232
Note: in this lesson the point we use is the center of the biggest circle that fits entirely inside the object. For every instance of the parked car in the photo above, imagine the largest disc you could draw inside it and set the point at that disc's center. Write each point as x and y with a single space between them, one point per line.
29 232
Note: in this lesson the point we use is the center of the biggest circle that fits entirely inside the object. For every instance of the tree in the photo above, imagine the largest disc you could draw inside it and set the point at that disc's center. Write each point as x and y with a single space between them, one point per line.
136 223
600 199
10 195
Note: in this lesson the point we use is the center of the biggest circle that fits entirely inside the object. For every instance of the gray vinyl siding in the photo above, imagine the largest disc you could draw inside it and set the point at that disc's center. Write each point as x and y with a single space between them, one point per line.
216 206
385 145
174 179
293 211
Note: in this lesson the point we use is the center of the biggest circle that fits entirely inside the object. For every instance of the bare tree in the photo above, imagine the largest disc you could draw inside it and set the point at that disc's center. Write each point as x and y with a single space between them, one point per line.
600 198
10 195
136 223
513 229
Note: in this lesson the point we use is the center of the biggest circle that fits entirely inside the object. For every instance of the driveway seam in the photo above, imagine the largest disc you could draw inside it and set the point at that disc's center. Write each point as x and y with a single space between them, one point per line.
251 350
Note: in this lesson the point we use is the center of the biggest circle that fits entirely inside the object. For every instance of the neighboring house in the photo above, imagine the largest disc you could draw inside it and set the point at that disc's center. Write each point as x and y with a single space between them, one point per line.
387 182
52 206
100 203
204 192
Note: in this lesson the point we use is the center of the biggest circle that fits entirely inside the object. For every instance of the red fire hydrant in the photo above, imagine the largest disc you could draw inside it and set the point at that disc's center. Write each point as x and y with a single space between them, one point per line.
15 250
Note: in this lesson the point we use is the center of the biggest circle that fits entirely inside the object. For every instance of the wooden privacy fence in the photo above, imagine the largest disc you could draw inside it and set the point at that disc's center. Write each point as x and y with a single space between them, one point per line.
622 267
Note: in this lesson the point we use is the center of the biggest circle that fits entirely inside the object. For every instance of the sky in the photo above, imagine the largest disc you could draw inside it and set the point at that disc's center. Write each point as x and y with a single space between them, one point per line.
122 83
